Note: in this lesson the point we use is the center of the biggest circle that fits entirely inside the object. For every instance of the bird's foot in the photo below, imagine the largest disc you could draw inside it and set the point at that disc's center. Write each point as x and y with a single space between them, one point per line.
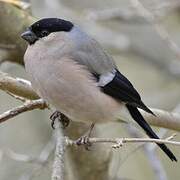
84 140
60 117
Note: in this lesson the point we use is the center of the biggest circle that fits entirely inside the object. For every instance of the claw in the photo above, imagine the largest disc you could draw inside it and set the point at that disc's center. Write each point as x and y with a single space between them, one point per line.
118 144
65 121
60 117
84 140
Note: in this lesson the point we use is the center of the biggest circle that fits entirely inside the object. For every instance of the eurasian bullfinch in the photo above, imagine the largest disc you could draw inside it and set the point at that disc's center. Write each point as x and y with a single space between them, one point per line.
71 71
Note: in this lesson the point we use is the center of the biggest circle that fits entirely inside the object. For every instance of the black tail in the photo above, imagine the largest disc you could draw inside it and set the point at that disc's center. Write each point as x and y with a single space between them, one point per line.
136 115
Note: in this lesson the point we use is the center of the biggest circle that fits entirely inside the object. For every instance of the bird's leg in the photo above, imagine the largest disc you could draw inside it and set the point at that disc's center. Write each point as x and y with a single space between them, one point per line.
60 117
84 140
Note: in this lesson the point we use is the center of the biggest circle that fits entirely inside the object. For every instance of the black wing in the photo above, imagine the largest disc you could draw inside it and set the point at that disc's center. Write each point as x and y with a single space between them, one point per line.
121 89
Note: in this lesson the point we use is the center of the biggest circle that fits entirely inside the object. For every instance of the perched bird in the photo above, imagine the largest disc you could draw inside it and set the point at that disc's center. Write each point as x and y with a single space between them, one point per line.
71 71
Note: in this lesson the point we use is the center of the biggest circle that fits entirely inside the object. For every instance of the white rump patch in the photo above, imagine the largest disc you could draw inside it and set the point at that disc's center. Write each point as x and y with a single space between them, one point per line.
106 78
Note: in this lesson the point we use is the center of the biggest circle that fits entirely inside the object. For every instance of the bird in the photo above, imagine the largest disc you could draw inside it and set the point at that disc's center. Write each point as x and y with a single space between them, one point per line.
71 70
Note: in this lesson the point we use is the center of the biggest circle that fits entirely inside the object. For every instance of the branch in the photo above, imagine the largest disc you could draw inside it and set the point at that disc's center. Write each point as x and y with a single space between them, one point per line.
22 88
169 120
61 144
27 106
118 142
17 86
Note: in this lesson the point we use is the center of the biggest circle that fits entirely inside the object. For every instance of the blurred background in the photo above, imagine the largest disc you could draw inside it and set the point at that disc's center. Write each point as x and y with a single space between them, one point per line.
144 39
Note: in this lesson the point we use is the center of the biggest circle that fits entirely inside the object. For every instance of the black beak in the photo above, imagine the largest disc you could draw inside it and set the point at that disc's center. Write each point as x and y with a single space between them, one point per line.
29 36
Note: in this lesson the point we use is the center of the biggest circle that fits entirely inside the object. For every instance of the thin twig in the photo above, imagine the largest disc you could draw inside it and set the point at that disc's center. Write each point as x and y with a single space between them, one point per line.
27 106
118 142
17 97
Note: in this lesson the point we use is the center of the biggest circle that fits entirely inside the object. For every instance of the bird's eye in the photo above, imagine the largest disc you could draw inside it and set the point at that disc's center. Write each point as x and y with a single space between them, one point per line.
44 33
